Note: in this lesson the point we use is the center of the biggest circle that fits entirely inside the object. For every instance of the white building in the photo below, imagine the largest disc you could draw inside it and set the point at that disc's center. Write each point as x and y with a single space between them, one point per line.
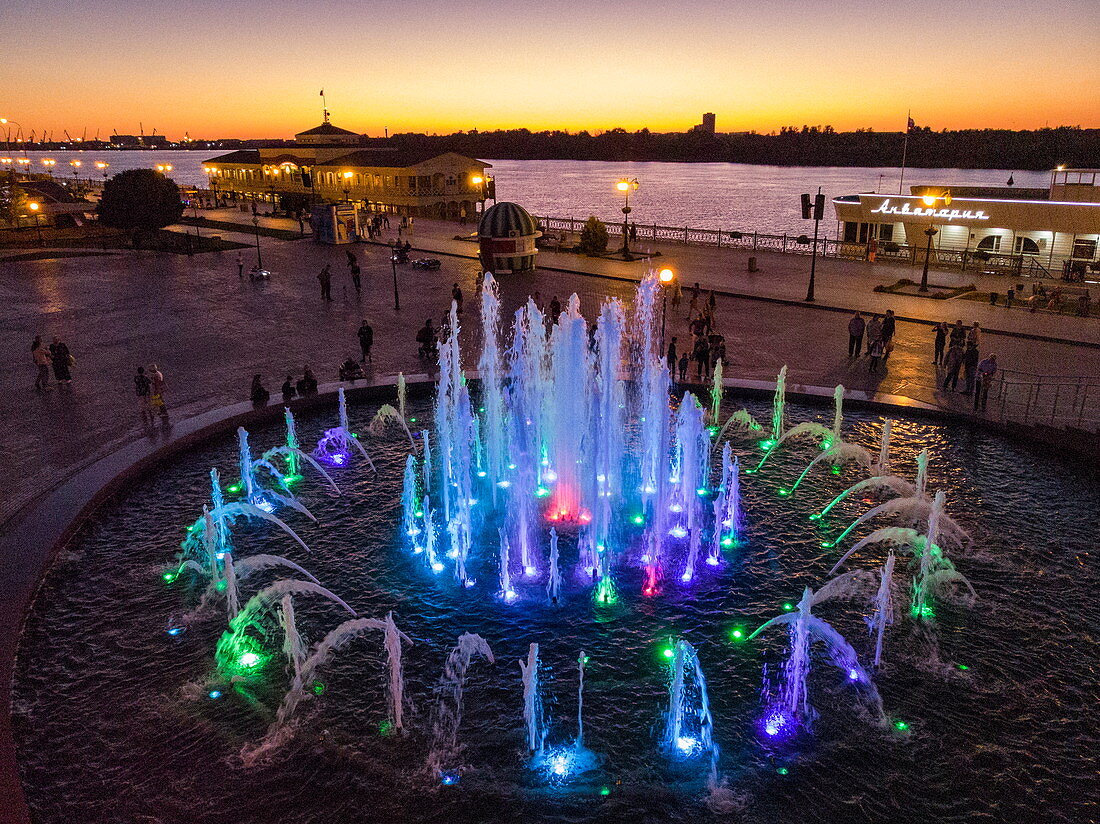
1055 228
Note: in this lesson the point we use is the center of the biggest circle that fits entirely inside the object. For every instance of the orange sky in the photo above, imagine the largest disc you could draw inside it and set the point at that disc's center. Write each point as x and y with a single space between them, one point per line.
245 69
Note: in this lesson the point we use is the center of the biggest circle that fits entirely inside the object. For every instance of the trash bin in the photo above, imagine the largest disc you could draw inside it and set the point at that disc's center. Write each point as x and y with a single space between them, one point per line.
752 264
992 298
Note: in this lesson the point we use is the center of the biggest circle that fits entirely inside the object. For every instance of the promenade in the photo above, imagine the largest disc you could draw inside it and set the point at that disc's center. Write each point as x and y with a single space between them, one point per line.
210 331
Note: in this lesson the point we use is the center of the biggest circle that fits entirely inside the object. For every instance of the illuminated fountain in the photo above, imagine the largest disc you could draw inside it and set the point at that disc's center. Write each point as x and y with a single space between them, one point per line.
447 711
564 762
338 444
825 436
883 481
689 727
786 712
533 721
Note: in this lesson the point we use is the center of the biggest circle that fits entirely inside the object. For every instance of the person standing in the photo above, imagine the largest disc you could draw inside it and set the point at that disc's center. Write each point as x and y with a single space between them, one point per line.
683 366
875 349
941 342
856 326
366 340
325 279
970 367
957 336
356 279
951 365
670 356
288 389
158 387
62 361
874 331
987 369
701 355
143 389
41 356
887 334
456 296
974 335
240 265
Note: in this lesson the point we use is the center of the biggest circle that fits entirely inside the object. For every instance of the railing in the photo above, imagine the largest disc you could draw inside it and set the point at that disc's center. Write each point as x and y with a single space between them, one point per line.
1022 397
1025 266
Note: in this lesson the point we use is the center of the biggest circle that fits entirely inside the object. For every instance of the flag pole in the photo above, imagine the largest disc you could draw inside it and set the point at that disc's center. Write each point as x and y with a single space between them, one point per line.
905 149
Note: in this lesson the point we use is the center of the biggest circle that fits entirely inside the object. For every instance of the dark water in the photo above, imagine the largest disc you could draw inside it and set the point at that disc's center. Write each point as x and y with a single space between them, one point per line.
106 731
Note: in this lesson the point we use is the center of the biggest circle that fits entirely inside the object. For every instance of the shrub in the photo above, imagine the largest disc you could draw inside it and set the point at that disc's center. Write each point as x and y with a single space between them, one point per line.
593 237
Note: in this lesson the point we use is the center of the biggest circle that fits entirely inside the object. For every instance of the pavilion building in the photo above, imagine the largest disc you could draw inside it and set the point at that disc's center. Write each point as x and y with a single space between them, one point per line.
1057 228
335 165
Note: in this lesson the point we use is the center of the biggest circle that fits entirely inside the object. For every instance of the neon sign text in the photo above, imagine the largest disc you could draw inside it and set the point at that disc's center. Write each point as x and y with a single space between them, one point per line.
885 208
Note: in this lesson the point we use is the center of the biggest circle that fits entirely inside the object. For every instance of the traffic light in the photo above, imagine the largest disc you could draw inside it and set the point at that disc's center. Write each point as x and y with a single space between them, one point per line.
806 207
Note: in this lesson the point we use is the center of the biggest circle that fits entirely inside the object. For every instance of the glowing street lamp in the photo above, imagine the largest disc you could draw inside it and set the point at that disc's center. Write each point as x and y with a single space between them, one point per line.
102 166
49 163
34 207
626 186
665 277
164 168
931 231
347 185
76 164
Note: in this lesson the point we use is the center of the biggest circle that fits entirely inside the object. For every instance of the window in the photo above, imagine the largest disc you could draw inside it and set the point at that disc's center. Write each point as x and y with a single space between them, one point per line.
1026 246
1084 249
886 231
990 243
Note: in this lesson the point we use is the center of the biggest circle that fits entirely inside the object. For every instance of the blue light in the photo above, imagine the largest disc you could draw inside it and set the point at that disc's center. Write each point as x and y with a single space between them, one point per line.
686 745
712 561
481 473
174 631
678 532
265 505
853 675
449 779
437 567
777 723
215 694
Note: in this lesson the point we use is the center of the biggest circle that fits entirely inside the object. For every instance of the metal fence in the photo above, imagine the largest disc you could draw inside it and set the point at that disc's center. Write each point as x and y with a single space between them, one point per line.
1026 266
1022 397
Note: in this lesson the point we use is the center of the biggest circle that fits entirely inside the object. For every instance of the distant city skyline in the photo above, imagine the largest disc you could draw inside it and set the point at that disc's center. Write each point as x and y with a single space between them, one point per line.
252 70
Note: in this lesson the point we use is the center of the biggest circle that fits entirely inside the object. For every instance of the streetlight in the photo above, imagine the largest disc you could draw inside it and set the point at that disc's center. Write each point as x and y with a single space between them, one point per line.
626 186
9 123
76 164
931 231
665 277
396 297
102 166
164 168
259 257
34 207
49 163
347 185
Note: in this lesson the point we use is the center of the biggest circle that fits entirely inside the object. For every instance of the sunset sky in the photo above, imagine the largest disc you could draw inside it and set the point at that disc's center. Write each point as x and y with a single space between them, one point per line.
245 68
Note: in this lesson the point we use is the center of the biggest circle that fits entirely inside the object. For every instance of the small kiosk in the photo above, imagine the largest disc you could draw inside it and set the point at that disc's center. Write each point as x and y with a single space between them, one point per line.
506 237
335 223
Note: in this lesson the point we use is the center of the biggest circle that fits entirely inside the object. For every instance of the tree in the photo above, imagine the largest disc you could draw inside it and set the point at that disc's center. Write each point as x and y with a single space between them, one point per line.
593 237
139 200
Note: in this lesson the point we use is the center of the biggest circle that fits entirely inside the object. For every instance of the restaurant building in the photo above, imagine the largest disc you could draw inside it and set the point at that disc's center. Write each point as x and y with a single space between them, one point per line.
335 165
1057 228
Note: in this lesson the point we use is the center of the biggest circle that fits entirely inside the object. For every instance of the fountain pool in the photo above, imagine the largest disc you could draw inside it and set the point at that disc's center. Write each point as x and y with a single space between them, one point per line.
120 715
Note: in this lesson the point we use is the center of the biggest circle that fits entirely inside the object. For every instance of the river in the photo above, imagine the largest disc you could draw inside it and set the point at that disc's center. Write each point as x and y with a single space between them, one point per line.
731 196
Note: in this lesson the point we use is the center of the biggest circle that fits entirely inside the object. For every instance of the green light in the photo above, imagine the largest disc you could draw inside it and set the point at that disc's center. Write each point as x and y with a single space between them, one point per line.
605 791
827 544
169 577
355 434
420 513
668 652
767 444
385 729
317 687
925 612
412 420
221 585
788 606
783 493
727 541
701 491
901 726
542 492
816 516
586 659
605 592
713 430
825 444
638 519
836 470
737 634
249 659
234 489
783 771
963 667
481 409
291 479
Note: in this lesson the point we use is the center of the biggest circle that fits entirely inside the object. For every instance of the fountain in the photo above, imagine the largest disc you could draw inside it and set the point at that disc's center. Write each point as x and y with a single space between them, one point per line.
535 731
338 444
810 429
553 583
689 727
447 712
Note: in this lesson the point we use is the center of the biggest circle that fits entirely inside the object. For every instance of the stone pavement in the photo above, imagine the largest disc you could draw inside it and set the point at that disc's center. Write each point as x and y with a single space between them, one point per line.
210 332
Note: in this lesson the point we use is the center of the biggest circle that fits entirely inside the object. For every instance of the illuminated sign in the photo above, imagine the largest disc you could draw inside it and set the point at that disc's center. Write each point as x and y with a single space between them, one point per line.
885 208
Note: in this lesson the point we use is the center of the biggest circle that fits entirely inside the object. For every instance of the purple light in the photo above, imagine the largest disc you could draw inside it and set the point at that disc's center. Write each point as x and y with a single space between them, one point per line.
776 723
853 675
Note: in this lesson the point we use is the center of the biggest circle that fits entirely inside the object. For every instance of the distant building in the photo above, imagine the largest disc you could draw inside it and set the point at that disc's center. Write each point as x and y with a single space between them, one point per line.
707 125
337 165
135 141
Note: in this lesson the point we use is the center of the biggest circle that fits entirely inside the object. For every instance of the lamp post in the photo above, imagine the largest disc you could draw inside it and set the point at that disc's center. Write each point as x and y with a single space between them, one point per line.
259 257
626 186
396 297
9 123
479 181
76 164
347 186
102 166
34 207
665 277
49 163
931 231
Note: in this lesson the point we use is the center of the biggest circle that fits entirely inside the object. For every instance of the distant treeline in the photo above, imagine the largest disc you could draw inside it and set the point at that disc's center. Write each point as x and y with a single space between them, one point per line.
807 146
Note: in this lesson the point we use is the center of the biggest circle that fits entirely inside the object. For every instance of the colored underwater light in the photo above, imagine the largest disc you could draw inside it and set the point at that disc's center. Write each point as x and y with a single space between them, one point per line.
249 659
777 723
727 542
605 791
782 771
222 585
437 566
668 652
686 745
737 634
448 779
816 516
385 729
542 492
215 694
169 576
783 493
481 473
560 763
767 444
678 532
712 561
900 726
174 631
412 420
509 595
788 606
605 592
962 666
853 675
235 488
550 475
317 687
701 491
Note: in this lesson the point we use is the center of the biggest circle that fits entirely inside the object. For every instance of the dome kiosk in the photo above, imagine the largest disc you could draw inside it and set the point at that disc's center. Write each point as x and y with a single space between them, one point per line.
506 236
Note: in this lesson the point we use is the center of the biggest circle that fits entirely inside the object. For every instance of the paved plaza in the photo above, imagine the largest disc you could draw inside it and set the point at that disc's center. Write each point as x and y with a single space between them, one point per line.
210 331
